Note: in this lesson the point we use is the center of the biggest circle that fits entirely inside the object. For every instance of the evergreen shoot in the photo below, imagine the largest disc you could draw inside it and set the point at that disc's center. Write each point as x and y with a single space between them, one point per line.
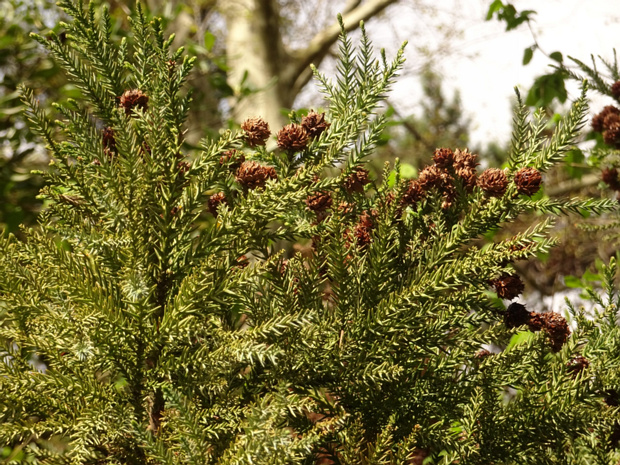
155 317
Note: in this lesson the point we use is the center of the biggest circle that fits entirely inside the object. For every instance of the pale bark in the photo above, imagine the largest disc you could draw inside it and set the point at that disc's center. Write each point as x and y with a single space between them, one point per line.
255 46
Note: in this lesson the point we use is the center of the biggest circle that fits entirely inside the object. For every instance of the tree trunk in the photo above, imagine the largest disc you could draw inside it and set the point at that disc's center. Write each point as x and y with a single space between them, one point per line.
256 59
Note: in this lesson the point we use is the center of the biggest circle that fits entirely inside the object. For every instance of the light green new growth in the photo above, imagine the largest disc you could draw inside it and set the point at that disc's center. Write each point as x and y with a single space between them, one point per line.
137 328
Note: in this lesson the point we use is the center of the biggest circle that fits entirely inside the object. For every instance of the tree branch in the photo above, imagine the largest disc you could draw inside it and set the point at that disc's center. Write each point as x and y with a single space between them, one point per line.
323 40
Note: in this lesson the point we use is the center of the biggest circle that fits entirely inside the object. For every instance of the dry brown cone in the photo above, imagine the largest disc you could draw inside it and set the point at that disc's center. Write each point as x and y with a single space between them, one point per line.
611 135
615 90
293 138
356 181
215 201
363 230
508 286
430 177
610 177
109 142
482 354
413 194
557 329
443 157
465 160
256 131
252 175
516 315
314 124
233 158
577 365
536 322
598 119
319 201
493 181
134 98
469 176
528 181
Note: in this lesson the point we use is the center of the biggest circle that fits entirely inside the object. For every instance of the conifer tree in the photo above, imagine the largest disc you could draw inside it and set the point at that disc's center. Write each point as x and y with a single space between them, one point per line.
152 318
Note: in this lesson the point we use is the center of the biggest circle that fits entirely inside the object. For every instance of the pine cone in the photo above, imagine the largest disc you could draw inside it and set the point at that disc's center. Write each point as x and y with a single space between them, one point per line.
528 181
215 201
292 137
314 124
465 160
363 230
482 354
536 322
134 98
557 329
469 176
256 131
233 158
430 177
319 201
611 135
252 175
598 120
443 157
516 315
109 142
508 286
577 365
615 90
356 181
413 194
610 177
493 181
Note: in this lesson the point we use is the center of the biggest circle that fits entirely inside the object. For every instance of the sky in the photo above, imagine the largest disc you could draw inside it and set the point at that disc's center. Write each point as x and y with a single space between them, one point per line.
488 65
483 61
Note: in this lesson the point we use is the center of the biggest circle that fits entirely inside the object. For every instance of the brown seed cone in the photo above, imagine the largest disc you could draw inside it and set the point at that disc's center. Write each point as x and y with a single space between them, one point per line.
508 286
109 142
610 177
314 124
615 90
598 119
577 365
482 354
528 181
256 131
611 135
493 181
465 160
134 98
356 181
252 175
469 176
443 157
363 230
556 328
215 201
293 137
430 177
319 201
413 194
516 315
536 322
183 167
233 158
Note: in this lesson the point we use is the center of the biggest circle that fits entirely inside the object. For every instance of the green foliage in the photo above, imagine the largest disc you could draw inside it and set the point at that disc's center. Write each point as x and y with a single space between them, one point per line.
131 335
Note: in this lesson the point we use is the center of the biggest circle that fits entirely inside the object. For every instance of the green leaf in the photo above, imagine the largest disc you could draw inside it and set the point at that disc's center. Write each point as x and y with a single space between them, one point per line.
528 53
494 8
408 171
557 56
209 39
522 337
572 282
